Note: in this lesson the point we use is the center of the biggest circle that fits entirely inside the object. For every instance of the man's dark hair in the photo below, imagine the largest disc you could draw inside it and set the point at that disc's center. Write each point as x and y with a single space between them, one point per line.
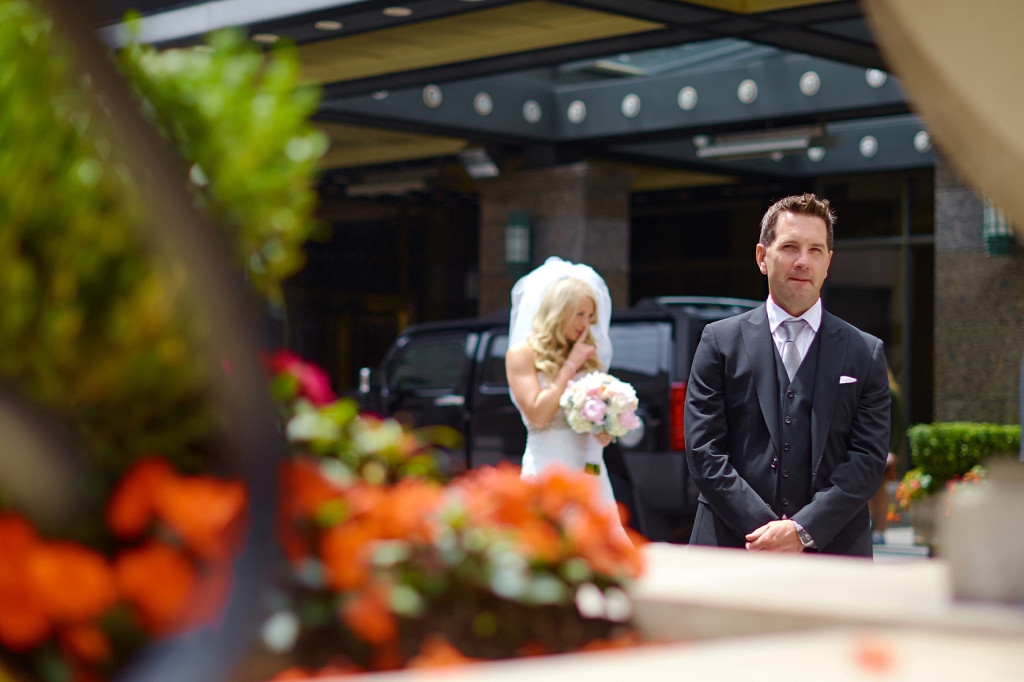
807 204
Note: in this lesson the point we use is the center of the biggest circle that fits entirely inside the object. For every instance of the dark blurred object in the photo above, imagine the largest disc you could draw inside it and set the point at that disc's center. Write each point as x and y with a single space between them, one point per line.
39 467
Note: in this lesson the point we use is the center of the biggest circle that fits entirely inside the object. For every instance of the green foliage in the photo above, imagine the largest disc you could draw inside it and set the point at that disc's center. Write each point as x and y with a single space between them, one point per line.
379 451
241 124
91 328
946 450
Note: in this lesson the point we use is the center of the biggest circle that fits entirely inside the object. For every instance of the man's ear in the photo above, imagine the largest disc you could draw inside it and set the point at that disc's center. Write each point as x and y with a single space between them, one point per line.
759 255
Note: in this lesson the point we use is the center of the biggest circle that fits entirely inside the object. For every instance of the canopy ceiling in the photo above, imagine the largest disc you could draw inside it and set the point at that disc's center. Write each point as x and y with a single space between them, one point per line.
683 91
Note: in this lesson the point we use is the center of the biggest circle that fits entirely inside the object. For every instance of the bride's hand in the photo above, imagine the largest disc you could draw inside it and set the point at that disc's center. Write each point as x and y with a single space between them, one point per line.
580 353
604 439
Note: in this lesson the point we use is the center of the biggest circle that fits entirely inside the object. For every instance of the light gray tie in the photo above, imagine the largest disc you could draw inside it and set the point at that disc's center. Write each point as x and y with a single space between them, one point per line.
790 353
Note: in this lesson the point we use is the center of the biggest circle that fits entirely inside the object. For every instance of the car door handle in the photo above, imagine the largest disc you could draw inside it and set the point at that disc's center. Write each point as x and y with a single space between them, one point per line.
450 401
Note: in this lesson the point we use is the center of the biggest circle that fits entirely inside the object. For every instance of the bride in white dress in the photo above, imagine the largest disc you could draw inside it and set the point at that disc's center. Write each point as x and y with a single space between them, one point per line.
559 330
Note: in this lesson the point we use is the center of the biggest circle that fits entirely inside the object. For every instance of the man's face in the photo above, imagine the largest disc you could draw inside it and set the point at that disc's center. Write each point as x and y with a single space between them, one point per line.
581 319
796 262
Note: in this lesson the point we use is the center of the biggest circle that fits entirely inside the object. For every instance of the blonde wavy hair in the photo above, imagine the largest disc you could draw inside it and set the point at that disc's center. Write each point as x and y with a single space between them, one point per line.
548 341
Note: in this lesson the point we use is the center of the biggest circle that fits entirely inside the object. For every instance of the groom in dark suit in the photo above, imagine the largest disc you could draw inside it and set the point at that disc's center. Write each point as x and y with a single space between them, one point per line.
787 407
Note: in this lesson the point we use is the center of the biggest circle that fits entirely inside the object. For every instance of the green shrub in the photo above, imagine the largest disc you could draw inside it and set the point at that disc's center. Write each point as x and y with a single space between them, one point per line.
91 328
946 450
240 122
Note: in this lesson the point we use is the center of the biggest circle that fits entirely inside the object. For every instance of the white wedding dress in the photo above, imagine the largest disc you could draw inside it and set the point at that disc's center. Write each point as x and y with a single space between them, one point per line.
556 443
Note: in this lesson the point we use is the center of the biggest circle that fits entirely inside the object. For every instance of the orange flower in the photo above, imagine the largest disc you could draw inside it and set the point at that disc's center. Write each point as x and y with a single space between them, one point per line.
74 584
608 552
16 534
541 541
157 580
874 656
86 643
405 510
560 489
345 551
23 621
367 614
131 506
205 512
435 652
304 488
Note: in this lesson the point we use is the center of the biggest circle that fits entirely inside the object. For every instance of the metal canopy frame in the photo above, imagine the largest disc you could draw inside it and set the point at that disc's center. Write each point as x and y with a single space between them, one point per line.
814 63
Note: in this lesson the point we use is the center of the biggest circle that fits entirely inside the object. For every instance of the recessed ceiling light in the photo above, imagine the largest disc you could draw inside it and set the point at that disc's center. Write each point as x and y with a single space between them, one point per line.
267 38
328 25
397 11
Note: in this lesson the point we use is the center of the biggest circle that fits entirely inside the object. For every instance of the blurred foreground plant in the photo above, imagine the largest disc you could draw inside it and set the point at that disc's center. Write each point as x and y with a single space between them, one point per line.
489 567
390 567
70 611
105 338
92 328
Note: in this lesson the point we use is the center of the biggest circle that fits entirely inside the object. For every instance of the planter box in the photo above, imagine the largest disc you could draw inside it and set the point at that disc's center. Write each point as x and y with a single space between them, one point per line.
722 615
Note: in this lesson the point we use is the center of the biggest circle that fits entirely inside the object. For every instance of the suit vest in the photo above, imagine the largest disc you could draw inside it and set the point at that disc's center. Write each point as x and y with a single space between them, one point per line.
793 465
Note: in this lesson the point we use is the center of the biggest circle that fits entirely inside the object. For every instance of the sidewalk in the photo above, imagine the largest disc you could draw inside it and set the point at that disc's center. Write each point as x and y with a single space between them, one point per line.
899 546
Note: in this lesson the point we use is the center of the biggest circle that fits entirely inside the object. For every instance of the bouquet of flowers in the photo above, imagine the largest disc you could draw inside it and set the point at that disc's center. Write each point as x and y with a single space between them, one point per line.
599 402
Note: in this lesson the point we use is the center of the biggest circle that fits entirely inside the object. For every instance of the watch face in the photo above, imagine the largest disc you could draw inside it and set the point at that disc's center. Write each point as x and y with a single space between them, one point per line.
804 536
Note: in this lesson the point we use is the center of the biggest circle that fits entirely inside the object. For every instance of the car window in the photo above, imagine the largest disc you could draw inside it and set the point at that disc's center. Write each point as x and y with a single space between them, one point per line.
426 363
494 365
640 348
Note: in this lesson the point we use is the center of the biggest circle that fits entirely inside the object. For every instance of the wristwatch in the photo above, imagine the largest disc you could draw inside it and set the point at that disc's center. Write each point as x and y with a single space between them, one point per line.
805 538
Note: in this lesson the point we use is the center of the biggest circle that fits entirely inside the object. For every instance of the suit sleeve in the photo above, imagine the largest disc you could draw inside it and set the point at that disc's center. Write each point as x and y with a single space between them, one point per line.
707 441
859 476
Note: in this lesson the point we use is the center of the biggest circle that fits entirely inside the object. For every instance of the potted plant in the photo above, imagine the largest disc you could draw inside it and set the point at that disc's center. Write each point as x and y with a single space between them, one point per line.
944 455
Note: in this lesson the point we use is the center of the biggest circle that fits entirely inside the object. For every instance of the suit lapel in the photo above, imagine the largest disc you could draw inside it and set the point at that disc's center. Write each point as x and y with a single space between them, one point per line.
760 349
831 353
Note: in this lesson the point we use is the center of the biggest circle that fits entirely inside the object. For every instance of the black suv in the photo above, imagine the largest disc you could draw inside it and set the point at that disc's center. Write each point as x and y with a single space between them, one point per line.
453 373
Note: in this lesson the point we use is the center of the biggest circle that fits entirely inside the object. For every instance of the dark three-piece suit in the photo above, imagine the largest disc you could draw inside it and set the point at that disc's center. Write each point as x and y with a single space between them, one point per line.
761 447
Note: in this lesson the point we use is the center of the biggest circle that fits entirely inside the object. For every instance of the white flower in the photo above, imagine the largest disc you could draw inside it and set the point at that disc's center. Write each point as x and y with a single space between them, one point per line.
618 397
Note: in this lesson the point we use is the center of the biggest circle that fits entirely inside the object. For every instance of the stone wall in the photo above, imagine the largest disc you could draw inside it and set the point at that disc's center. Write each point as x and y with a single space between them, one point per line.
578 212
979 311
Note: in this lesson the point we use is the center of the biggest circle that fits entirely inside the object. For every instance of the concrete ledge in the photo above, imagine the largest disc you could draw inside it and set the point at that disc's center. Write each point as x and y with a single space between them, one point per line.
699 593
730 615
839 655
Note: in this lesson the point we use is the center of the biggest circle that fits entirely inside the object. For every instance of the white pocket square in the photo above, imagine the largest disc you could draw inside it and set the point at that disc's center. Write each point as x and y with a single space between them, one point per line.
847 380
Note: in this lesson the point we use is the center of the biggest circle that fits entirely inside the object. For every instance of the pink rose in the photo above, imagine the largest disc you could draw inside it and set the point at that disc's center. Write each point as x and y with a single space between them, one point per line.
593 410
629 420
313 382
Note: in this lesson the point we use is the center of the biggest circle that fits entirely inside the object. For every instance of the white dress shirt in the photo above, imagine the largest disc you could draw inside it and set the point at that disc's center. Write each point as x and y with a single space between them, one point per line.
803 341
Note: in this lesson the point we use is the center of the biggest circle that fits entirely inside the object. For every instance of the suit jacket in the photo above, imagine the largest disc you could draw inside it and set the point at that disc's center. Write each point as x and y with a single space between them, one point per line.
732 423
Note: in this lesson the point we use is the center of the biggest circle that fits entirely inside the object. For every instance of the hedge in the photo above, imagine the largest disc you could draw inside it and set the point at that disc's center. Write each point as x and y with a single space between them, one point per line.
946 450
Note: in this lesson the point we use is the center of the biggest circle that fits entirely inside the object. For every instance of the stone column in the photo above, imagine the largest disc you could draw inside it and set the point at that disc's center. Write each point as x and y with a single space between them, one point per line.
579 212
979 311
